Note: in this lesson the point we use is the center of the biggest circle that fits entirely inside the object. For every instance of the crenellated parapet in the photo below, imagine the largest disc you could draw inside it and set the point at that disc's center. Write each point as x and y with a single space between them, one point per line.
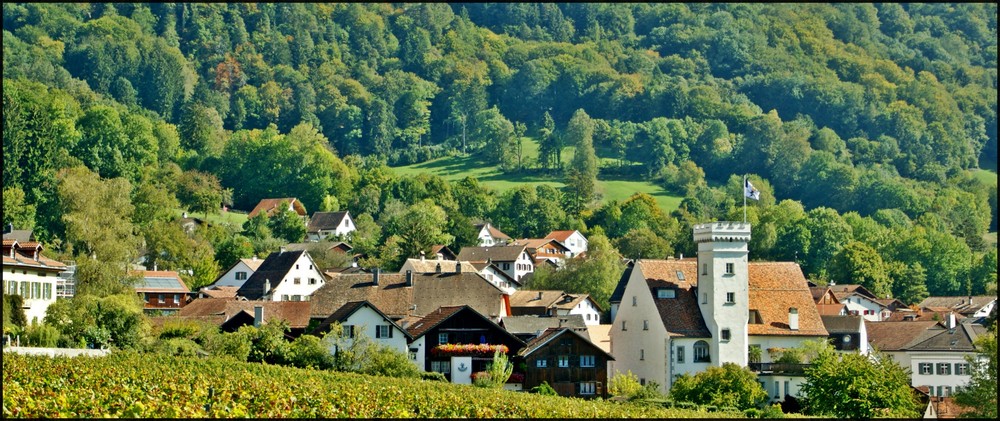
722 231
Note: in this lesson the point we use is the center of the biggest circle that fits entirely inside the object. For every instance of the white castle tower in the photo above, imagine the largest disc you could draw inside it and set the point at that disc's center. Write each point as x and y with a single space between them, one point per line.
723 281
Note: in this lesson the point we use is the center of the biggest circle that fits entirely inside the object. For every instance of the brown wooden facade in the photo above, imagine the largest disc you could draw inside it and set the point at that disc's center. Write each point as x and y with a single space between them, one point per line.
569 362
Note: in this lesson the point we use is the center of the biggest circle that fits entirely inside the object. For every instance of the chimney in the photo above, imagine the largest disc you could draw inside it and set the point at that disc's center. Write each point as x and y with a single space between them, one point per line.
950 320
421 256
793 318
681 256
267 286
258 315
458 267
409 278
154 266
437 268
970 301
281 250
539 295
375 275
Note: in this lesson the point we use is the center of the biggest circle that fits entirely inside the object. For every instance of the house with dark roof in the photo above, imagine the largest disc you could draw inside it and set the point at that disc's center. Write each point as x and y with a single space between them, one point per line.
681 316
401 296
325 224
272 206
529 327
441 251
283 276
28 273
162 291
490 236
458 341
231 314
358 318
826 302
513 260
566 360
847 333
969 306
572 239
934 351
555 303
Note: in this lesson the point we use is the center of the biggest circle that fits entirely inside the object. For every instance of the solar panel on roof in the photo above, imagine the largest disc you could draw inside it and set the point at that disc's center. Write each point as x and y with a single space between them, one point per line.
165 283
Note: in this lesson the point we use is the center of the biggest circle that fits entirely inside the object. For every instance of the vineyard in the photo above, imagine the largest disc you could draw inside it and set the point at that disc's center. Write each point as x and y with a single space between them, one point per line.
127 384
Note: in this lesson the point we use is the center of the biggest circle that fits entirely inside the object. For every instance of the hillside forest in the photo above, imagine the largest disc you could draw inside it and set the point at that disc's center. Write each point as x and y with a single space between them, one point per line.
870 130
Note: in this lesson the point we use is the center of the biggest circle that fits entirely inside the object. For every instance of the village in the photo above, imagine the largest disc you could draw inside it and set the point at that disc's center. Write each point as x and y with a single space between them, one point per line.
448 312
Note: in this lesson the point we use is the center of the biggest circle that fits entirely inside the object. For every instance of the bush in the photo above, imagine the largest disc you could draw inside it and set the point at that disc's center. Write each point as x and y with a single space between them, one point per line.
650 391
626 385
544 389
385 361
729 385
433 376
308 351
685 405
235 345
181 347
752 413
772 411
42 335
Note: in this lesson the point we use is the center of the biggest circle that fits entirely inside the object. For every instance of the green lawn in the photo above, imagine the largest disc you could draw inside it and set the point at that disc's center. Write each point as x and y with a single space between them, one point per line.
458 167
986 176
230 218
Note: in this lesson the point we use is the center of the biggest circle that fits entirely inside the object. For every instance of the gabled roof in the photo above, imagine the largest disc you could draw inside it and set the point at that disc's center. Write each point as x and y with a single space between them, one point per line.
159 281
844 291
434 318
23 254
495 253
552 334
549 299
532 324
494 232
345 312
392 296
296 313
960 304
774 287
220 291
19 235
562 235
254 263
819 292
896 336
480 266
444 251
432 265
326 220
325 245
940 338
273 270
830 309
842 324
537 243
270 205
616 296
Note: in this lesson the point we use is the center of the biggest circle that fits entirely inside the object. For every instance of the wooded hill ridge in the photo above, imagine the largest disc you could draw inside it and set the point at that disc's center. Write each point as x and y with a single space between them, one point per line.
863 125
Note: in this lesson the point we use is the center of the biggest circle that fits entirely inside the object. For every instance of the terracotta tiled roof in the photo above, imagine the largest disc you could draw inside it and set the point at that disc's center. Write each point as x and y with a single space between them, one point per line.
536 243
253 263
326 221
895 336
270 205
561 235
496 253
429 292
552 334
296 313
960 304
830 309
774 288
221 292
345 312
432 319
431 266
24 256
9 242
844 291
529 325
494 232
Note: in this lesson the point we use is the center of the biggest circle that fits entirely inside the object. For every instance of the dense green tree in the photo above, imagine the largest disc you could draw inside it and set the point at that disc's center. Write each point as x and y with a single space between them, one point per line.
858 386
582 173
980 396
643 243
858 263
16 212
729 385
596 274
287 224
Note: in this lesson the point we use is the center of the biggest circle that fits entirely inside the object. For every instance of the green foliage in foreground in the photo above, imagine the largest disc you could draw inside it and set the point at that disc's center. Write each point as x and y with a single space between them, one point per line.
127 384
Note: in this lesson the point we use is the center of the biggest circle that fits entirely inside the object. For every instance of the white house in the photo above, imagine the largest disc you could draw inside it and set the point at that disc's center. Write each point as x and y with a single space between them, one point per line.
513 260
238 274
684 315
324 224
572 239
974 306
26 272
491 272
362 318
490 236
555 303
933 351
860 301
283 276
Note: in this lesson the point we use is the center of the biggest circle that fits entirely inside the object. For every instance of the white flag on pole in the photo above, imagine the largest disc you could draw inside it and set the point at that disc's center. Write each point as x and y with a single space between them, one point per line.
750 191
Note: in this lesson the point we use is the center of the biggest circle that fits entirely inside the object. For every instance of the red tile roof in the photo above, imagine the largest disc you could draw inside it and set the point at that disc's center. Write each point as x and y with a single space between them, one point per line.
896 336
296 313
270 205
561 235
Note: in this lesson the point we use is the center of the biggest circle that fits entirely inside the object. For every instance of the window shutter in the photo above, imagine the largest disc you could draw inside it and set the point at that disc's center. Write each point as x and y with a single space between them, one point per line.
390 331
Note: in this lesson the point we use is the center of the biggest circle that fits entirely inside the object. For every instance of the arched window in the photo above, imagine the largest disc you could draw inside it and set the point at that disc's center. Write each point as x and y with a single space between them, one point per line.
701 354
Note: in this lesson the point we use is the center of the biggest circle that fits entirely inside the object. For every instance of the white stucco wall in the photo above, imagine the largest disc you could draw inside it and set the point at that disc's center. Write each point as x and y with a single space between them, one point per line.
518 268
41 289
589 312
304 269
229 278
576 243
861 304
934 380
714 255
365 321
644 352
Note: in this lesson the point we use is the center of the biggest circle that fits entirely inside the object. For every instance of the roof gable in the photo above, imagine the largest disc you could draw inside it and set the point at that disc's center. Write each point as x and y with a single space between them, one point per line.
347 310
327 220
274 268
270 206
495 254
563 235
552 334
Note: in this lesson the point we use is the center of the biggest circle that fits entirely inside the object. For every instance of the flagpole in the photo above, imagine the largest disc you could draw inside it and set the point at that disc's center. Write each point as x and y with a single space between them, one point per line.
744 198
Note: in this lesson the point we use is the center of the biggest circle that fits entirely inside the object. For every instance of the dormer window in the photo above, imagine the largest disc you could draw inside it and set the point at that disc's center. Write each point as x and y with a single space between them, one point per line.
755 318
666 293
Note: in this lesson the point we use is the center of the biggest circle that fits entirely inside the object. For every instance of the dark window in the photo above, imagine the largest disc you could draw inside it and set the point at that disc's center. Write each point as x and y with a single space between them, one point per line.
730 297
587 361
726 334
730 268
701 354
944 369
645 325
680 354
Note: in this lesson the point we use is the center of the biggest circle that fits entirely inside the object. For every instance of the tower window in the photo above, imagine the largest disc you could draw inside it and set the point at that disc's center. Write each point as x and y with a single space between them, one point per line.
726 334
634 301
730 268
704 268
730 297
704 298
645 325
